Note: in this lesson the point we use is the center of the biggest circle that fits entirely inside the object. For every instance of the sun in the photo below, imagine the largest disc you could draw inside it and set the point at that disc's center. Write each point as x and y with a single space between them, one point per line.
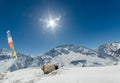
51 23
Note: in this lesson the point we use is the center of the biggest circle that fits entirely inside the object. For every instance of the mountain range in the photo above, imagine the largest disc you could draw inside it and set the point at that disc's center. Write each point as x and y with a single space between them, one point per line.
63 55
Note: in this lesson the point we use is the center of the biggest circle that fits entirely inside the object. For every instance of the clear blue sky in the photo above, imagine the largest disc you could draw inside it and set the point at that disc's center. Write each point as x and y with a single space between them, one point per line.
83 22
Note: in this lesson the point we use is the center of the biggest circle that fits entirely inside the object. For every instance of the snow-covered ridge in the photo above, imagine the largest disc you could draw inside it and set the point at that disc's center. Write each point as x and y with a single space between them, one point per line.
110 49
64 55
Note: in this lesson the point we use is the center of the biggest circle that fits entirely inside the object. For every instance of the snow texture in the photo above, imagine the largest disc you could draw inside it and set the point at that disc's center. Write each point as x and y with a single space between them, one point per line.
108 74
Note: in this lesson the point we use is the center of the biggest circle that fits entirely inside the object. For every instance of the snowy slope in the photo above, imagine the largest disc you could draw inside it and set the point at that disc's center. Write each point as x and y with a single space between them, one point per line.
6 64
78 59
108 74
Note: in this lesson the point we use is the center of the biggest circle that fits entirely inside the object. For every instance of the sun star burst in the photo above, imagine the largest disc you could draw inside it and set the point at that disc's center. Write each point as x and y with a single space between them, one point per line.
51 23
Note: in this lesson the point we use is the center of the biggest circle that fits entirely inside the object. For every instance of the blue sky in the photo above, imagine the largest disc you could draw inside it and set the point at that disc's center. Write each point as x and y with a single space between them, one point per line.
83 22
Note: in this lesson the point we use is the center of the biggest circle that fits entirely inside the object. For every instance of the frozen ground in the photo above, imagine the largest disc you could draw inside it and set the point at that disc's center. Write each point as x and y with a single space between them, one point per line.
108 74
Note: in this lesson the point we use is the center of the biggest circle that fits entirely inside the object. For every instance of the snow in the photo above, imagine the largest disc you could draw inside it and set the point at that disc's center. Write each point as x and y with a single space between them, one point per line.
23 75
68 72
107 74
6 64
91 59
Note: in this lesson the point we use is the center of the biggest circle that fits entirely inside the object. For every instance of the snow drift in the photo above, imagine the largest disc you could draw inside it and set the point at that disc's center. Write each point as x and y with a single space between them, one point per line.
108 74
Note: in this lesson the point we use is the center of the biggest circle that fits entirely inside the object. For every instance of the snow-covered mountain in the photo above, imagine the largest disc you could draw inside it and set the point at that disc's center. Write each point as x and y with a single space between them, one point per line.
112 49
63 55
70 55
